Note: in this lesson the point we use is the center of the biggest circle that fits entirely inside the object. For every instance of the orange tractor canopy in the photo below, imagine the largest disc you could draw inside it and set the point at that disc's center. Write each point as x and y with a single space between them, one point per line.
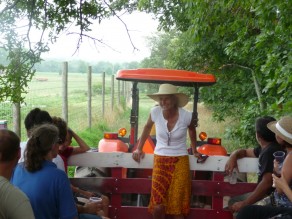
181 78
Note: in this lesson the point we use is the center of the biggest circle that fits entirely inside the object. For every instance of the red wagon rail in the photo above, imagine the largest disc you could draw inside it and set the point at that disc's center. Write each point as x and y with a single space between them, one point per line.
117 187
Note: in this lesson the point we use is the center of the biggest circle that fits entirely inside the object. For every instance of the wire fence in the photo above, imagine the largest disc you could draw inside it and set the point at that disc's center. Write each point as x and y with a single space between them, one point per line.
46 91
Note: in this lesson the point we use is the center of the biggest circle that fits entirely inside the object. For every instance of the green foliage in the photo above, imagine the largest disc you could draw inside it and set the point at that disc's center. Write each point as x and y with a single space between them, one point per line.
93 136
160 46
17 74
246 44
27 28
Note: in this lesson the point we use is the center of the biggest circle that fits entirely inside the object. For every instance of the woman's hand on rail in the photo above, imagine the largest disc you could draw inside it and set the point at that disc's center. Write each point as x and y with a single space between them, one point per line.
195 152
138 155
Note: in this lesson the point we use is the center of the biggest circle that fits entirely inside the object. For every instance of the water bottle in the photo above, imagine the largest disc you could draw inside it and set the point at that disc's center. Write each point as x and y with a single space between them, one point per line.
233 177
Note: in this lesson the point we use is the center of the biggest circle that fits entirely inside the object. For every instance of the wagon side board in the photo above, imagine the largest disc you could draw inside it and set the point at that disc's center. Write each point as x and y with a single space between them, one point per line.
117 186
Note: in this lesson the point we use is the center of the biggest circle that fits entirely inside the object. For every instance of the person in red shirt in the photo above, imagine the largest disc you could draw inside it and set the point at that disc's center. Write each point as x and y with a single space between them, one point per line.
65 151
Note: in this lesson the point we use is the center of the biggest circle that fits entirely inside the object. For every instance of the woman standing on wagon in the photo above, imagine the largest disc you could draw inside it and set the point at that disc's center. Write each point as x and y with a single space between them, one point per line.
171 180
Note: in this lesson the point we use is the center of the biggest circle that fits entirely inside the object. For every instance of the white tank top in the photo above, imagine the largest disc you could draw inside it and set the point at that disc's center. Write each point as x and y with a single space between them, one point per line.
171 143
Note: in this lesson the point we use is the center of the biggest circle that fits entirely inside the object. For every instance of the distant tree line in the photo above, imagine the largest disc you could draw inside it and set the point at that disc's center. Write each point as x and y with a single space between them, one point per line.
76 66
80 66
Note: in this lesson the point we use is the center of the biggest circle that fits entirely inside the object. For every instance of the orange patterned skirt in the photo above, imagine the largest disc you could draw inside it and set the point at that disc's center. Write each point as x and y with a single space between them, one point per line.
171 184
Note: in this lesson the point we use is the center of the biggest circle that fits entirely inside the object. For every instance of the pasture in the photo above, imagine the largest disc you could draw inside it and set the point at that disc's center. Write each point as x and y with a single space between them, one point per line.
45 92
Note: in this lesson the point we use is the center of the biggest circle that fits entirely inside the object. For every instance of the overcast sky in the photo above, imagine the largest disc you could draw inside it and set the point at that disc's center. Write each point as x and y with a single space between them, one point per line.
114 34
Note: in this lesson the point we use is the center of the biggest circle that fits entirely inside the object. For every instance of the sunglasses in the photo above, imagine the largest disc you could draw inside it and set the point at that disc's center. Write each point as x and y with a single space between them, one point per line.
202 158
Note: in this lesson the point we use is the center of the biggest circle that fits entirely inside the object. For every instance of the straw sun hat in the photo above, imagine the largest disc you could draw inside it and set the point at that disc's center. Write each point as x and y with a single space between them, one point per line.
167 89
282 128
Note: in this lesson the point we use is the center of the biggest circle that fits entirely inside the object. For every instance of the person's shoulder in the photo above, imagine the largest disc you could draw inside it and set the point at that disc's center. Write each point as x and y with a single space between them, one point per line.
155 109
17 193
184 111
50 166
11 189
69 149
19 166
18 204
185 114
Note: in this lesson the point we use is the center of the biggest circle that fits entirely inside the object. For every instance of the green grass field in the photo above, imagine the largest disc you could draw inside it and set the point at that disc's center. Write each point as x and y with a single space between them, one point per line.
45 92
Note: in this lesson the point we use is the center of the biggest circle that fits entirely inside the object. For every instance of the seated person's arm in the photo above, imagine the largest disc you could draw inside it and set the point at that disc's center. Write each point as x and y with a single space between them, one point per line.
259 193
89 208
83 147
241 153
237 154
282 184
261 190
82 192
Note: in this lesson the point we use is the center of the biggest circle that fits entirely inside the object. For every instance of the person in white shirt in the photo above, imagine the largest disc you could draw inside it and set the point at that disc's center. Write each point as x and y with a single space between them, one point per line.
171 180
37 117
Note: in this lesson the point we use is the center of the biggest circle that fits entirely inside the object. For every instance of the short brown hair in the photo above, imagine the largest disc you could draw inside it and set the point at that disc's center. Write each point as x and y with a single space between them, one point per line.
9 145
62 126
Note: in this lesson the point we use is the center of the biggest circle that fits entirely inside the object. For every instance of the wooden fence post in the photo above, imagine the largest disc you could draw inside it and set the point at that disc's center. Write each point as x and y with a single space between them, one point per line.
113 92
119 90
16 119
103 93
65 91
89 77
123 89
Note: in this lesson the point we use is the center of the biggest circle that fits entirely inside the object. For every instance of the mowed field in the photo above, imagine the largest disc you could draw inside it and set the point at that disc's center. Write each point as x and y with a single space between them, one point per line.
45 92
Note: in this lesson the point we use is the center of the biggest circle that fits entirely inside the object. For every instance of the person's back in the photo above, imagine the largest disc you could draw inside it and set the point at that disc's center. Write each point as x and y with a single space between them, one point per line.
14 203
47 187
267 146
43 187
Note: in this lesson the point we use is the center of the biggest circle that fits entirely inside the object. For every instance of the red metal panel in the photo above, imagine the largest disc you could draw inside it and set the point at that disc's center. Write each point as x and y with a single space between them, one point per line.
217 201
195 213
143 186
116 186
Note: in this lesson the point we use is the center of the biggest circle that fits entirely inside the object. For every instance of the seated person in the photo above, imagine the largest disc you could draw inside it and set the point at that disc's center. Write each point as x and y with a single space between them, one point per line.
37 117
282 208
65 151
47 187
267 146
16 204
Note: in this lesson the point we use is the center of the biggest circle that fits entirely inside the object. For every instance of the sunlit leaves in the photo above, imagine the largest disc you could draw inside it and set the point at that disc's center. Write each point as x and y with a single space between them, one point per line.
19 20
247 44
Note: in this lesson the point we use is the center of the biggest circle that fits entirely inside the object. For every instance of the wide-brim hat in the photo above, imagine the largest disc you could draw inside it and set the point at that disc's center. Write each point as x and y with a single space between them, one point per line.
282 128
167 89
